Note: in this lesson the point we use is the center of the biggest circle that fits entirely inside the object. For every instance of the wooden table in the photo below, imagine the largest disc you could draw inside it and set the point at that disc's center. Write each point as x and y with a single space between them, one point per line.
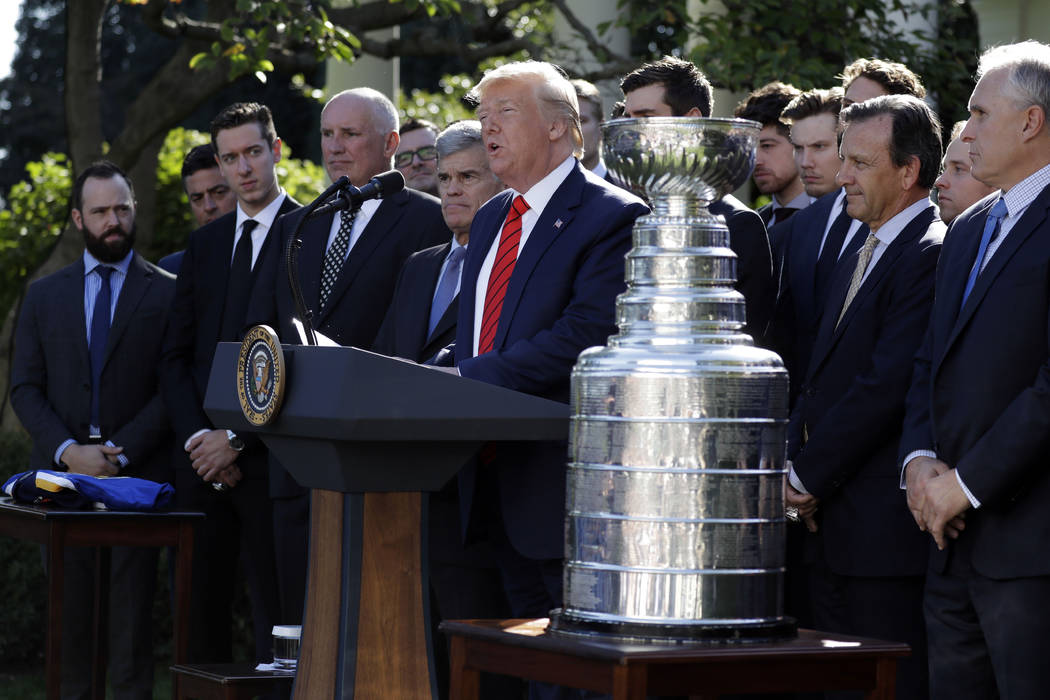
227 681
56 529
813 661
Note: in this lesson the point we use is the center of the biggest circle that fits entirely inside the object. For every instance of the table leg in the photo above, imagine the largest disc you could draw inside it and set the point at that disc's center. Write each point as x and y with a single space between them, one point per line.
629 681
100 623
183 576
55 574
885 681
465 683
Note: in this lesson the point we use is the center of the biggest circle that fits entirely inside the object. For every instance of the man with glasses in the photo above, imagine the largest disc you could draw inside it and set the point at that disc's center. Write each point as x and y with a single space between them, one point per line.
416 155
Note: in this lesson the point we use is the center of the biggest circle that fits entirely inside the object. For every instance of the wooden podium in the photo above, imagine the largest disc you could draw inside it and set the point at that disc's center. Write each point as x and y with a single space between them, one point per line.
370 436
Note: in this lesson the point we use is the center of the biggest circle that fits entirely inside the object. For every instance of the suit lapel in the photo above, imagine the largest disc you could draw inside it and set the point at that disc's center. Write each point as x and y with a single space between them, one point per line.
379 226
482 234
1025 227
809 231
830 328
72 314
556 219
136 284
311 257
419 316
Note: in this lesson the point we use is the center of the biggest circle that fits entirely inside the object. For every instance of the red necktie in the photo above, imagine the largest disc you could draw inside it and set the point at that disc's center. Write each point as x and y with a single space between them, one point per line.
502 268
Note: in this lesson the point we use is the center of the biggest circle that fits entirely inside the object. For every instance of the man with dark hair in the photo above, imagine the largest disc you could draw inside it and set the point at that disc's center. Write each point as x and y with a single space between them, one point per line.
416 156
590 100
776 172
870 77
348 267
809 246
84 384
978 416
212 293
957 188
209 195
845 429
672 87
669 87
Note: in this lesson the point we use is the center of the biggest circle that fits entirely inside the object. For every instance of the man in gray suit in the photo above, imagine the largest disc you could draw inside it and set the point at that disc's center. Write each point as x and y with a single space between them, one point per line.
84 385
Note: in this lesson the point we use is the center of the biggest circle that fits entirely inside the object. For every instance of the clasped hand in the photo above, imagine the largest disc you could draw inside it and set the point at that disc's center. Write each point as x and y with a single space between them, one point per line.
213 459
935 498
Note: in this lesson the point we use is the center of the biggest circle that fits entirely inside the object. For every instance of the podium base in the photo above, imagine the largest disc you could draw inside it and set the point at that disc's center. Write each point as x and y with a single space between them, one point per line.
566 624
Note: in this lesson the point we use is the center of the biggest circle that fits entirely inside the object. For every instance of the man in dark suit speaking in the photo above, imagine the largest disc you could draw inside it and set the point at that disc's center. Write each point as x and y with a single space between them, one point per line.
977 429
421 321
84 384
544 266
845 428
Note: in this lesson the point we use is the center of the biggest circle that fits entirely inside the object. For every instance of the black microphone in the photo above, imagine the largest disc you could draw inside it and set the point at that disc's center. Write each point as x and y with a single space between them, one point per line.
383 185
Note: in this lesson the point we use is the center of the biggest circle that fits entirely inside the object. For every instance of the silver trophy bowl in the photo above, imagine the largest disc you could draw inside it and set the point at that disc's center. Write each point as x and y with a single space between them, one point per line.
679 155
675 526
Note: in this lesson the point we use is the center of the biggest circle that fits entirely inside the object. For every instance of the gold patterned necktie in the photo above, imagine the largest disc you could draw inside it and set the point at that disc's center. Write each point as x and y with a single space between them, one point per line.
863 258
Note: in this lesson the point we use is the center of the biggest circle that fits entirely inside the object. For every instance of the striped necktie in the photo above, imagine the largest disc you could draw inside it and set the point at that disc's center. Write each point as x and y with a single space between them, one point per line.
502 268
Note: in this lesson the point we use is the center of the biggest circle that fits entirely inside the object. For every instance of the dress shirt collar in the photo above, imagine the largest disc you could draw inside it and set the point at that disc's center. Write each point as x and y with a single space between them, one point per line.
264 217
1024 192
800 202
91 262
889 231
539 195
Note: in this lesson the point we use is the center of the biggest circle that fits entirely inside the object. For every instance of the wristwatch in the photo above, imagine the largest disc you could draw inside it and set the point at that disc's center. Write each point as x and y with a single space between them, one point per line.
236 444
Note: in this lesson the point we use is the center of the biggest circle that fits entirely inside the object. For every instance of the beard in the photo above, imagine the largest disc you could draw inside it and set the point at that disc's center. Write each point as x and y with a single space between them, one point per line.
109 251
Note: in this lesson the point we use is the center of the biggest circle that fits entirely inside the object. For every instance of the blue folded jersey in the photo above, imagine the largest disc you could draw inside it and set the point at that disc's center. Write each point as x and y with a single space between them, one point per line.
82 491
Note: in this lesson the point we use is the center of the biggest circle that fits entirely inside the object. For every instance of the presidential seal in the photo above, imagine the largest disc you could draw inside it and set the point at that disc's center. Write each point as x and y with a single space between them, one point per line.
260 375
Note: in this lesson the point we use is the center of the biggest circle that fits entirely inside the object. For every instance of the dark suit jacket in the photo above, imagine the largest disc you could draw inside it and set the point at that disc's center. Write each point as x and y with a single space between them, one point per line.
754 270
195 328
404 330
852 406
559 301
980 397
51 372
404 223
172 262
798 310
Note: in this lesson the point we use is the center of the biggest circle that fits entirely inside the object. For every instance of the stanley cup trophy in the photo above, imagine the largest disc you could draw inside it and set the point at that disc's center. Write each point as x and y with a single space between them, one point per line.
675 526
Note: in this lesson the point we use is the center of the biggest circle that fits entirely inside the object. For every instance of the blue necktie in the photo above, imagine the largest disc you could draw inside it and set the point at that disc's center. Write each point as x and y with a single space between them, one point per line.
446 287
992 225
99 337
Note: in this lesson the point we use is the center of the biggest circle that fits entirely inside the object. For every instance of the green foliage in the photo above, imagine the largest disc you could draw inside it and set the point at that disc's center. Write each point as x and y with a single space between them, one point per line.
443 107
302 179
753 42
31 221
22 587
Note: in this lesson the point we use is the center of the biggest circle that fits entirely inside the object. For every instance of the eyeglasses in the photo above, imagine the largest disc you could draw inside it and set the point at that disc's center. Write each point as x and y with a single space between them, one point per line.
404 158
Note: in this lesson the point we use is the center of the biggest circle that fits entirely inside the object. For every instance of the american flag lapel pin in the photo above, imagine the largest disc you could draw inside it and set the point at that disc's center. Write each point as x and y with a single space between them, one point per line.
557 224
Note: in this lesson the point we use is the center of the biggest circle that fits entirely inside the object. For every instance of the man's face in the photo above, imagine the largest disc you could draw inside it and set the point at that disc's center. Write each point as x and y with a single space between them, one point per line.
210 197
816 153
465 182
350 142
861 90
590 123
518 134
106 218
248 164
647 101
994 132
875 187
956 187
775 168
420 172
